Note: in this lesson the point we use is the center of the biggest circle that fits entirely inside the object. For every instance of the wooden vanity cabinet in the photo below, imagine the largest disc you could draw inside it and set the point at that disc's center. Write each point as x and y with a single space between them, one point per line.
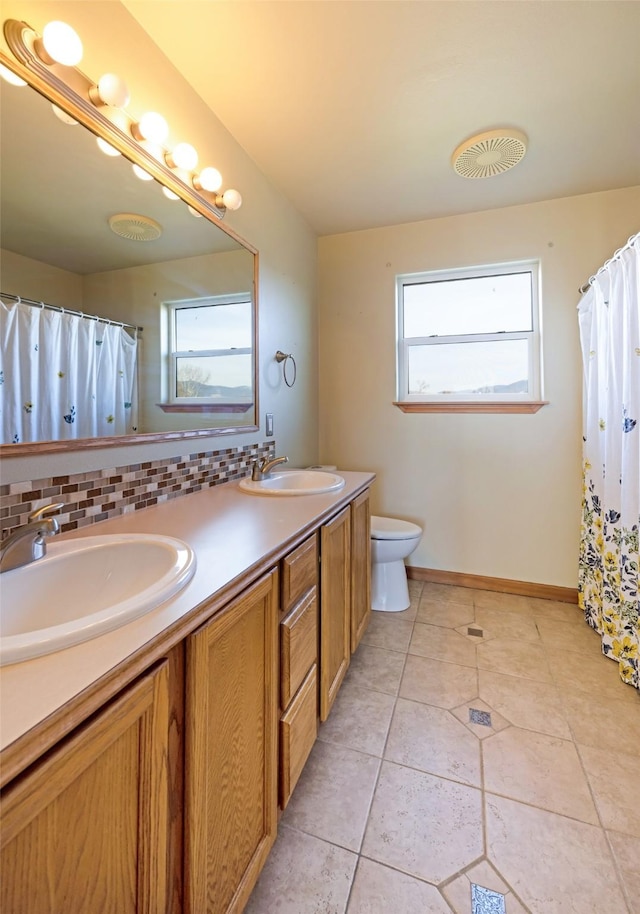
87 827
344 613
360 567
165 800
298 663
335 607
231 750
345 593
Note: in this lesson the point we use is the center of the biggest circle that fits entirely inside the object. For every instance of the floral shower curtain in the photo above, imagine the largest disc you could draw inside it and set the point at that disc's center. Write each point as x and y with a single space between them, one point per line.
63 376
609 317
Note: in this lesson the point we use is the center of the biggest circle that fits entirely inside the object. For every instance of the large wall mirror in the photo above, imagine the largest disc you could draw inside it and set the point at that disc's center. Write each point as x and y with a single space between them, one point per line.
196 281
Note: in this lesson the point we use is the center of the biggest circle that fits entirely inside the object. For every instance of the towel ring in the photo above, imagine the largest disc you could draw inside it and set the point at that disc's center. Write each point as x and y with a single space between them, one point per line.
284 357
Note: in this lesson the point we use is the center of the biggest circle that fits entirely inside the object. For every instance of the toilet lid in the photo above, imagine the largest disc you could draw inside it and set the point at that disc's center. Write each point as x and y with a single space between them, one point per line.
390 528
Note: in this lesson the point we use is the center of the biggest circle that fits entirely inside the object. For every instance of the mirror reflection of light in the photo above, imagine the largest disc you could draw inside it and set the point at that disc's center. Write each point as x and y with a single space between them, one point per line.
141 173
107 148
11 77
63 116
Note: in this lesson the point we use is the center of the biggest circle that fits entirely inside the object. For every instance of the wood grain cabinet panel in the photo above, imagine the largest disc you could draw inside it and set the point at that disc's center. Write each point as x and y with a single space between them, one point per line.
298 645
360 567
299 572
298 732
86 829
335 607
231 750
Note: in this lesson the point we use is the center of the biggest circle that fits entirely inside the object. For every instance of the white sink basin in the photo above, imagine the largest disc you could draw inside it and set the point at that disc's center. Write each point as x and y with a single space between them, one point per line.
85 587
294 482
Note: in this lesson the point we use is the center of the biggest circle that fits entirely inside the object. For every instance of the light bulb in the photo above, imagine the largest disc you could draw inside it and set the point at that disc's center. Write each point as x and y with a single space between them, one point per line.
183 156
59 44
110 90
169 194
232 199
63 116
209 179
151 126
194 212
154 149
141 173
106 147
11 77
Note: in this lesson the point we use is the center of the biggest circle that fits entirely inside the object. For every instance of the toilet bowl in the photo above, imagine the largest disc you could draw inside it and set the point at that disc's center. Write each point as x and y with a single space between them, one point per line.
392 541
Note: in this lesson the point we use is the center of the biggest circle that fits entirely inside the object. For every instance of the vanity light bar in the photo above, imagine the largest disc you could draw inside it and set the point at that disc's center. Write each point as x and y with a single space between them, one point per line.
60 50
110 90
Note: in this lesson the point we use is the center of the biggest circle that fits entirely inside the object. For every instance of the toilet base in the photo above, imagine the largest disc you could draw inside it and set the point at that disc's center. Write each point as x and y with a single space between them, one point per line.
389 588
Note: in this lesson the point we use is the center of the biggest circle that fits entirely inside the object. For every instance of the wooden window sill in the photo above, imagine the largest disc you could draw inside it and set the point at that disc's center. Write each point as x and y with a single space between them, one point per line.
474 406
205 407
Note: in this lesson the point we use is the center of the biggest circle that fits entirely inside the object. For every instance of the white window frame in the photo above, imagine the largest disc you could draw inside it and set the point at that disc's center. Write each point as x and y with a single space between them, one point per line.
533 337
174 354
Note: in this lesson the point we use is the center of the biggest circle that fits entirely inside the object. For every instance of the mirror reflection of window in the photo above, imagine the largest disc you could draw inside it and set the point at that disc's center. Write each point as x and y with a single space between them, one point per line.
56 246
211 350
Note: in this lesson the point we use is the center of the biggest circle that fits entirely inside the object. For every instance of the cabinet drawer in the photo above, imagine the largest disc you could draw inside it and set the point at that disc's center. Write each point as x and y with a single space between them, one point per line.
299 572
298 645
298 731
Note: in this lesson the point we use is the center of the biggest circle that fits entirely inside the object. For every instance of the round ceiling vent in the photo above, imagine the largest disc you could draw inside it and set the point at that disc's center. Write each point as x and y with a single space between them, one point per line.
490 153
134 227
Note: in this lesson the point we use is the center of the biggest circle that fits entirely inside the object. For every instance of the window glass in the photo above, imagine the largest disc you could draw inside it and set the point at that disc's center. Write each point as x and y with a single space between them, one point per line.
210 352
470 334
479 304
226 377
496 367
220 326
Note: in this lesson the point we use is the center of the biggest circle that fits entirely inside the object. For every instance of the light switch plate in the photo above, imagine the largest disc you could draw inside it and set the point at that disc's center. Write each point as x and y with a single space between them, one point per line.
269 425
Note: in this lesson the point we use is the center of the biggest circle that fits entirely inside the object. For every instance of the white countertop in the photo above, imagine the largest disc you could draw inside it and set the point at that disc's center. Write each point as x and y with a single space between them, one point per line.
230 532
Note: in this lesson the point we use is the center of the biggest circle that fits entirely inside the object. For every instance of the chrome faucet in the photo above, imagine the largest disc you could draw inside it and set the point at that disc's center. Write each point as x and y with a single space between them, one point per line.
27 543
262 468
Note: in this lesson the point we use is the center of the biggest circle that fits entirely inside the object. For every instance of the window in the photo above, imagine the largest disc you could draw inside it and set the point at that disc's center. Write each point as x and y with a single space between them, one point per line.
210 354
469 339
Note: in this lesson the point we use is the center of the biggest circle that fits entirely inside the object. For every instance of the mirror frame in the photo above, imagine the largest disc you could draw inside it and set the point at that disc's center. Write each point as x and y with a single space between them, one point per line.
70 96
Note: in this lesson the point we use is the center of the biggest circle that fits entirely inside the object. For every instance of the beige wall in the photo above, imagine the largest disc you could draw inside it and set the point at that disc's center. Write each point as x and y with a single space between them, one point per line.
33 279
114 42
497 495
136 295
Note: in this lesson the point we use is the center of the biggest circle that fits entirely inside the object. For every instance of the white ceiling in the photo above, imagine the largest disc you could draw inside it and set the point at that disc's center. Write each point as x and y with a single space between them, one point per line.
353 107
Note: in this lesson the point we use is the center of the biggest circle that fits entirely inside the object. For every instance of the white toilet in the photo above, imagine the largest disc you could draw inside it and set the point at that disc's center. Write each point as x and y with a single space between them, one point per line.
392 541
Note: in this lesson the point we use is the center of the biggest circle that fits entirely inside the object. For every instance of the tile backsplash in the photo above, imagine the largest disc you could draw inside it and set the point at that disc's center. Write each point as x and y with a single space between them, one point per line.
101 494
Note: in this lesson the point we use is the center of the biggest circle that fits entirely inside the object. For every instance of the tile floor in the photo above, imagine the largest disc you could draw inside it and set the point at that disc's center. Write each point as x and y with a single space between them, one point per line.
412 804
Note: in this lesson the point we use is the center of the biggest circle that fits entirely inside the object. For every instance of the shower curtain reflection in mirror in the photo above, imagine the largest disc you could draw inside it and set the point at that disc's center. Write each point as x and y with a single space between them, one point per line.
64 376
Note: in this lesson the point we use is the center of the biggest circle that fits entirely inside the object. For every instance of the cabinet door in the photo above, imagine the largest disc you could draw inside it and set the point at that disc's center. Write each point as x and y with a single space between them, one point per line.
360 567
231 750
86 829
298 732
335 607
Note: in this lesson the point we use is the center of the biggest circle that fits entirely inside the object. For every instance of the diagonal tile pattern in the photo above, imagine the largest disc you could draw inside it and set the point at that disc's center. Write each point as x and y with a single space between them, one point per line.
412 804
